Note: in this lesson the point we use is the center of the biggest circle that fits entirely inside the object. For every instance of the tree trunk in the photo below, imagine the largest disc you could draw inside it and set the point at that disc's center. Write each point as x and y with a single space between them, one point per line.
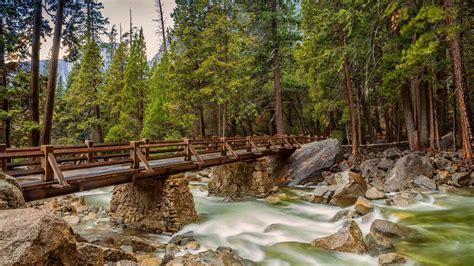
367 117
98 127
424 114
409 120
33 96
276 72
388 125
214 119
53 70
431 116
348 90
5 133
462 92
162 22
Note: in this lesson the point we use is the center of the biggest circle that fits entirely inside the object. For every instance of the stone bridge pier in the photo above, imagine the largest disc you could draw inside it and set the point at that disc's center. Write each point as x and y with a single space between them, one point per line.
242 179
154 205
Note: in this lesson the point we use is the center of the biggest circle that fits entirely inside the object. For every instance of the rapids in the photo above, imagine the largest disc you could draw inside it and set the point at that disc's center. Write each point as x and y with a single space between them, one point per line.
277 234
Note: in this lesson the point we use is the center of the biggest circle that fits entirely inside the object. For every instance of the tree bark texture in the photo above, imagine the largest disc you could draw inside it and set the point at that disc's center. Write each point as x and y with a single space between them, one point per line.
33 96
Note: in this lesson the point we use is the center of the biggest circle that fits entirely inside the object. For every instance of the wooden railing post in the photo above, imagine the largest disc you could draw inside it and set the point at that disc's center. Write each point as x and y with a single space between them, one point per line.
224 148
187 156
3 161
248 144
89 155
133 154
215 145
147 150
48 170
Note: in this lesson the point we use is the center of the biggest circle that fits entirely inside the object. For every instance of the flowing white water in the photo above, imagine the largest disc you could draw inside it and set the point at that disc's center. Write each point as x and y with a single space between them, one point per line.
278 234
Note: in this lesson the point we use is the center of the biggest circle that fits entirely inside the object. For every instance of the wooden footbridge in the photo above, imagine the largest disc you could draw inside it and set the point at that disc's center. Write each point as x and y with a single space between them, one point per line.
49 171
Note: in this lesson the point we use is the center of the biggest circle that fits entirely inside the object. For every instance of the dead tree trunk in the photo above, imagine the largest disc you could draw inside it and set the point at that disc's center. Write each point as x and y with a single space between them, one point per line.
53 70
33 95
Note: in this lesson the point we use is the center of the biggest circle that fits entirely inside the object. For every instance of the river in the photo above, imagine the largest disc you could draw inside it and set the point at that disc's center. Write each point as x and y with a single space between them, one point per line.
277 234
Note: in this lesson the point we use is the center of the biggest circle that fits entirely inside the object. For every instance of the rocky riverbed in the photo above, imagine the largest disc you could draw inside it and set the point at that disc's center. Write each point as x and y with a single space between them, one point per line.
394 208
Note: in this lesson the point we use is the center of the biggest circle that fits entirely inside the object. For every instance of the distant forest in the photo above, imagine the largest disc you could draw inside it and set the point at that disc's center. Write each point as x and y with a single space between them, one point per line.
360 71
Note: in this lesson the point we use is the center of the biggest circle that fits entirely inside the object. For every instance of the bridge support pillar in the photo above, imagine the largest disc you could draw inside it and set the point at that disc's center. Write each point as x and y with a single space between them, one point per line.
242 179
154 205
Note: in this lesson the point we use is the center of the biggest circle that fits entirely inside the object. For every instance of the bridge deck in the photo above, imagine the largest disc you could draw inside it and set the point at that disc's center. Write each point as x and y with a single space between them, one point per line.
60 171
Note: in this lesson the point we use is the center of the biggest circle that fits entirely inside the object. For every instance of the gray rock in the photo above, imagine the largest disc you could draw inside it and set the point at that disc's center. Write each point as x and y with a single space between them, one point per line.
461 178
442 163
373 193
11 196
405 169
392 153
116 255
391 259
142 246
350 186
308 161
182 239
363 206
369 168
383 234
320 194
386 164
404 199
340 215
424 183
90 254
348 239
36 237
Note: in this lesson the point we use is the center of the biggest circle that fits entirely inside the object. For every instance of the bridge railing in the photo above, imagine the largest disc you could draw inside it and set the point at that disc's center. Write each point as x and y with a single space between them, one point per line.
50 161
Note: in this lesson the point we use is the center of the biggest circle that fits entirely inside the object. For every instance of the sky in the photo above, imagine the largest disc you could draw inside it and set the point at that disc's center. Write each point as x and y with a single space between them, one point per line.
143 13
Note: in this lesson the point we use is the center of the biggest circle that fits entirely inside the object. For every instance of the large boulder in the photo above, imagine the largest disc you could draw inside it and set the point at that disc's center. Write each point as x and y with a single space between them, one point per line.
154 205
35 237
405 169
10 193
350 186
383 234
348 239
307 163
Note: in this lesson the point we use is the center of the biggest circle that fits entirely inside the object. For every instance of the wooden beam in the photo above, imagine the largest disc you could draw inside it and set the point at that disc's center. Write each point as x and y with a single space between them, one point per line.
48 174
229 148
142 158
59 175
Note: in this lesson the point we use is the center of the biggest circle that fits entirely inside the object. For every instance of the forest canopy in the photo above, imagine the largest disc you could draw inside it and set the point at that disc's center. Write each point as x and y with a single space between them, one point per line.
360 71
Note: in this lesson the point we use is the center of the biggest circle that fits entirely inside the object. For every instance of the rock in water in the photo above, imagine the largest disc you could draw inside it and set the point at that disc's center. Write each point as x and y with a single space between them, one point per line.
405 170
308 161
373 193
348 239
382 235
350 186
363 206
391 259
154 205
35 237
10 193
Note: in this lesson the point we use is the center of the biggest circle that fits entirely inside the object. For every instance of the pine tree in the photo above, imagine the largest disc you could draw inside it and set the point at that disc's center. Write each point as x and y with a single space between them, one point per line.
82 97
133 98
112 91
